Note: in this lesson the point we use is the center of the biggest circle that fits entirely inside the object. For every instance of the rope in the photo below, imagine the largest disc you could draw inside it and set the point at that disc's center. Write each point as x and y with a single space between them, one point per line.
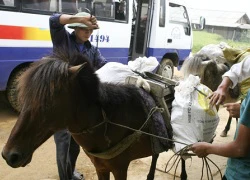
151 112
136 130
184 152
89 130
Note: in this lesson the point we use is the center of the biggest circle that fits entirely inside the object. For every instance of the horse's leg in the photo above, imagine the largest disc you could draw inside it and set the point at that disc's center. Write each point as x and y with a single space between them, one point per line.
151 173
103 175
227 127
120 173
183 170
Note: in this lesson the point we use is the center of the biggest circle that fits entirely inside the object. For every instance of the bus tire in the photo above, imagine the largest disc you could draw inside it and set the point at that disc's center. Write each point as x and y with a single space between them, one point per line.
166 68
12 92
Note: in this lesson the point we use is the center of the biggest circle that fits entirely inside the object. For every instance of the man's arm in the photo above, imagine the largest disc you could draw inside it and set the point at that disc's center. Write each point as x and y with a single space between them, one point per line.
238 148
239 72
89 21
58 33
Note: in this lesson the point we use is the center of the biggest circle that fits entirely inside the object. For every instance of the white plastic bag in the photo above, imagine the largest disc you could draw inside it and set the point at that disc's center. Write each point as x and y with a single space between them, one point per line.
192 118
143 64
114 72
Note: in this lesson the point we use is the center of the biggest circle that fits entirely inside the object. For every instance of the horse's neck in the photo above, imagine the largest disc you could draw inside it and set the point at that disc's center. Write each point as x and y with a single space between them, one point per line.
85 118
88 128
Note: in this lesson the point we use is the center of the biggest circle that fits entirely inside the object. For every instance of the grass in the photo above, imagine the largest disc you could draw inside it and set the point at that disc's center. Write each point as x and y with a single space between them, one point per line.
203 38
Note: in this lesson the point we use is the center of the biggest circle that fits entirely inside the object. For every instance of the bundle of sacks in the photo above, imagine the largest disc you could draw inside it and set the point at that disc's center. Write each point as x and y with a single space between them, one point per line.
114 72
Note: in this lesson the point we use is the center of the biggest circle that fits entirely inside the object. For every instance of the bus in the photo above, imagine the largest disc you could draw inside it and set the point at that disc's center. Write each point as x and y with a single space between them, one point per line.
128 29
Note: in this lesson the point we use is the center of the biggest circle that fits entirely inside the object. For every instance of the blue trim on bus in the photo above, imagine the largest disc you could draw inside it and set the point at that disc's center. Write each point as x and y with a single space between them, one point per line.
11 57
33 53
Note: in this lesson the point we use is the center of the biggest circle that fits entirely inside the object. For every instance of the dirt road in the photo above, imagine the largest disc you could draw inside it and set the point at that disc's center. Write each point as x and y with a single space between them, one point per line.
43 165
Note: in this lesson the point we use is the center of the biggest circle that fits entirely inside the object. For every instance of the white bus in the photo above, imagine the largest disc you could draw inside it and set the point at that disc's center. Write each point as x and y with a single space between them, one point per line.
128 29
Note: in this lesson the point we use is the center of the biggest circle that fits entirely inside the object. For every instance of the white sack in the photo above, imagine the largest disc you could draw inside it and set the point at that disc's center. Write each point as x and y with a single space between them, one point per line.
192 118
143 64
114 72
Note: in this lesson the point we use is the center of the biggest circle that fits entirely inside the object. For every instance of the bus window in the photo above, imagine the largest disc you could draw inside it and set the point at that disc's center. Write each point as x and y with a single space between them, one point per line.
84 4
142 24
36 4
110 9
69 6
120 10
65 6
7 3
178 15
162 13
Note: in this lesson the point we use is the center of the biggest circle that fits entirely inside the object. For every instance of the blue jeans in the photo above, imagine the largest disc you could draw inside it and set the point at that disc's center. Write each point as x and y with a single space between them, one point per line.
67 151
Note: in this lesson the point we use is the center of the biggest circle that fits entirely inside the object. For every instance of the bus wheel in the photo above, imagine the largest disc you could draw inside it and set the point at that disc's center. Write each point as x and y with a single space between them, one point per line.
166 68
12 88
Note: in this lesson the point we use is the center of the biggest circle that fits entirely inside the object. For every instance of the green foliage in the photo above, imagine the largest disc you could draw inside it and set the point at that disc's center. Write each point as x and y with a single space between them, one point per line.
203 38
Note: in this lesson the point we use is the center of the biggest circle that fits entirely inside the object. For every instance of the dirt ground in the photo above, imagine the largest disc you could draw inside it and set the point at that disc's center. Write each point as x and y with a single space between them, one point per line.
43 164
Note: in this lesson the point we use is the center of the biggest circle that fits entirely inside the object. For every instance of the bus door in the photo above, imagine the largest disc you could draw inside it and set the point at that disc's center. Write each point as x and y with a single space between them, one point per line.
142 28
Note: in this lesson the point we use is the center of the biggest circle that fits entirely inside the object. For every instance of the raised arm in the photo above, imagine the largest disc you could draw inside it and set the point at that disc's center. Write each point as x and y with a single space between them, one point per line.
89 21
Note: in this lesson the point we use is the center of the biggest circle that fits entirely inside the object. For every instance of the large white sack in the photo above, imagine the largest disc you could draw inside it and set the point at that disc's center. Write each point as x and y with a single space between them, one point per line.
114 72
192 118
143 64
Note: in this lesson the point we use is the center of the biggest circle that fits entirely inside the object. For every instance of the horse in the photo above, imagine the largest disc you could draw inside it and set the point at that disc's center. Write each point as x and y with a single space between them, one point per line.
55 96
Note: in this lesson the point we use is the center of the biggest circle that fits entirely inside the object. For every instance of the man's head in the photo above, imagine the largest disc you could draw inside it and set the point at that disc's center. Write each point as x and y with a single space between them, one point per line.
82 31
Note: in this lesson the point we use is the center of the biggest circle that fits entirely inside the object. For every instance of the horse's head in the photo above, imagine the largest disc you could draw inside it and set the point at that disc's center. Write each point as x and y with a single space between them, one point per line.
210 72
49 95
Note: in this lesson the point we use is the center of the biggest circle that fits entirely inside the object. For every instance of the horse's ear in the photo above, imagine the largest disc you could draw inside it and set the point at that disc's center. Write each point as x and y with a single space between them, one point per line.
74 70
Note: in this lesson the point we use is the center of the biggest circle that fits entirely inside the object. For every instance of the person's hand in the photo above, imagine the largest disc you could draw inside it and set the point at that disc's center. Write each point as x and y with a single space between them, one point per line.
200 149
233 109
91 22
217 97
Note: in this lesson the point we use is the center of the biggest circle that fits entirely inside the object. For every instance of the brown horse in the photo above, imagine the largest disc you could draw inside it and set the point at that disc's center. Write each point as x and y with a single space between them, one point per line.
56 96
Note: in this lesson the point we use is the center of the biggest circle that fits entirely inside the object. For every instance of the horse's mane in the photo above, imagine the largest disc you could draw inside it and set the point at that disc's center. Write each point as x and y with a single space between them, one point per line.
50 75
41 81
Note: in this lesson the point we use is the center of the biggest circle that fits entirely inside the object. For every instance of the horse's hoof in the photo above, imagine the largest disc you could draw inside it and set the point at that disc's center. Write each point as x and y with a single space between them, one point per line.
223 134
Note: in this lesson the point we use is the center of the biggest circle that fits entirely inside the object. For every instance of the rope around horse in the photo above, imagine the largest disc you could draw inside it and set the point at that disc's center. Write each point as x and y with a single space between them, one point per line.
178 154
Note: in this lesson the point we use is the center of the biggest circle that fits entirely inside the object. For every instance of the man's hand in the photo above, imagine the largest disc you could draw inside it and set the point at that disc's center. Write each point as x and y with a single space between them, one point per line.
233 109
217 97
91 22
200 149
